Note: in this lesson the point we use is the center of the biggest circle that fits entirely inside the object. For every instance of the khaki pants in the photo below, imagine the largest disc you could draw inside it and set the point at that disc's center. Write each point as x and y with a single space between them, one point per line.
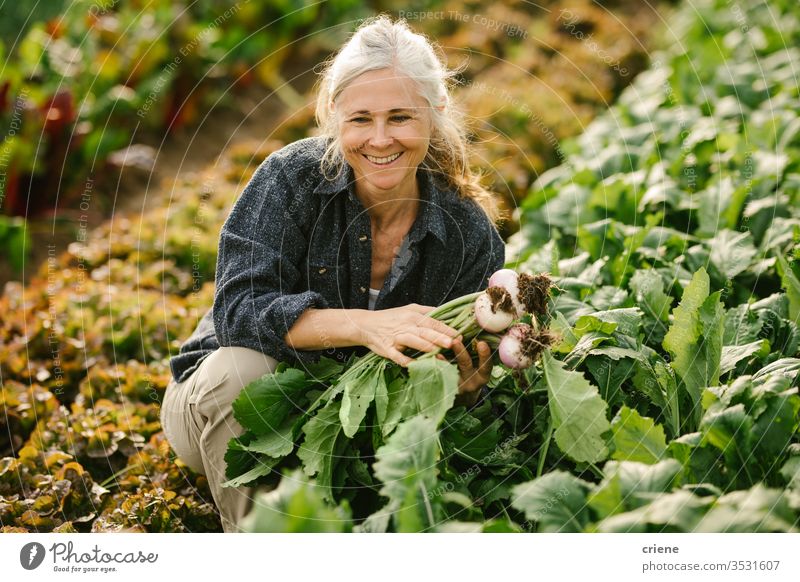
198 422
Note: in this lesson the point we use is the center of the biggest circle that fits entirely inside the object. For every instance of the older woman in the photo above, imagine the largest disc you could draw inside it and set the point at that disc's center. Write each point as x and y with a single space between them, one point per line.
339 241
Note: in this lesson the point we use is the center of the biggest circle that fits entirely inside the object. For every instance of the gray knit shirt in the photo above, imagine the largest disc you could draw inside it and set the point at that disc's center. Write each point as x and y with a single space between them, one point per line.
295 240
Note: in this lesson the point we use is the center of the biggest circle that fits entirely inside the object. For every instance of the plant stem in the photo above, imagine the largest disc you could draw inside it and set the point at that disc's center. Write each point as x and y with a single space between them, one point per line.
428 508
450 305
545 447
492 339
596 470
119 474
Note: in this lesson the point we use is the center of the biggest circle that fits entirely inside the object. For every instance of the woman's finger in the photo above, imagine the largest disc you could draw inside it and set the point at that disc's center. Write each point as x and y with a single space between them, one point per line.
463 358
415 341
440 339
439 326
429 322
436 325
398 357
484 359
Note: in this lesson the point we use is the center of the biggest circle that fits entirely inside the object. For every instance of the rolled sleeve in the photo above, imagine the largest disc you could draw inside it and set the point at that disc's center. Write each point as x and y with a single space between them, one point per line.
279 318
257 299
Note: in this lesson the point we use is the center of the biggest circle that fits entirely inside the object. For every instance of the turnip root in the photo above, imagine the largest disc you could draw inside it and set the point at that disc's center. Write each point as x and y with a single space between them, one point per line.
529 293
522 345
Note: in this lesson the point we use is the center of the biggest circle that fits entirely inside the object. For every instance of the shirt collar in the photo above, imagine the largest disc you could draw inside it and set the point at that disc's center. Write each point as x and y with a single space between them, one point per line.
432 198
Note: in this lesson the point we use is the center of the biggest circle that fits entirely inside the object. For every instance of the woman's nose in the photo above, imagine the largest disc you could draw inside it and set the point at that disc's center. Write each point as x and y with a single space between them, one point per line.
380 138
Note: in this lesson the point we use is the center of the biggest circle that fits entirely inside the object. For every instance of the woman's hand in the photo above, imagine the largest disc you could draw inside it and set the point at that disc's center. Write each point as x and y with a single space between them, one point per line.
471 378
388 332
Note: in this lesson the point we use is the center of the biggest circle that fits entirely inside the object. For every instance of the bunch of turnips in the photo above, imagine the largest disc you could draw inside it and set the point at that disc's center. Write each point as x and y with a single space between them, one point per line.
509 315
314 414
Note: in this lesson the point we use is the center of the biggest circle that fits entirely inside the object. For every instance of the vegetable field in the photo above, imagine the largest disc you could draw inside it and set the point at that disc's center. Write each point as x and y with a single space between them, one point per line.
666 399
670 400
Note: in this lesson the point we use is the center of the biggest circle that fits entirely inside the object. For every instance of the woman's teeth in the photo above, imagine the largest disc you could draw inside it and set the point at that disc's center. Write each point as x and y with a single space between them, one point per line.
383 161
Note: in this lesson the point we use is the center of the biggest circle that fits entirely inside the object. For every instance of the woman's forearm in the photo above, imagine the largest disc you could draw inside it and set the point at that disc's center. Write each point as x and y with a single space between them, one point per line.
319 329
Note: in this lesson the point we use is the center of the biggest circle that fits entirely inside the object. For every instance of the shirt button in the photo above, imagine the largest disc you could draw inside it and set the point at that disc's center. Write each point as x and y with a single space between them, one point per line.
362 238
322 271
363 289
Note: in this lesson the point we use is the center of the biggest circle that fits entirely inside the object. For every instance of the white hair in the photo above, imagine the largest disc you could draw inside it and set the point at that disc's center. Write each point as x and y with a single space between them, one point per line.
380 43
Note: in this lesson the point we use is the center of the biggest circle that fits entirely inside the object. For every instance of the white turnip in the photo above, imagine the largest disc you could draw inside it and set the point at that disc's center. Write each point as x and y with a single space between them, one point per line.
494 309
522 345
529 293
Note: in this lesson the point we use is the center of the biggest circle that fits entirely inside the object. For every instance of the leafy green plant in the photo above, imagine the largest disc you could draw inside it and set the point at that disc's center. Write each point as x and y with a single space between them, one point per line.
15 239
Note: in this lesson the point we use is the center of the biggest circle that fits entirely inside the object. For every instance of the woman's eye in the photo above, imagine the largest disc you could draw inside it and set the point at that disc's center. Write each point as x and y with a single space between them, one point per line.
359 120
401 117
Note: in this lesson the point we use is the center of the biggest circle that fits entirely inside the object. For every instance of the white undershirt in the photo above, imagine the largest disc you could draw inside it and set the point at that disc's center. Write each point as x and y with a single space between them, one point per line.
373 297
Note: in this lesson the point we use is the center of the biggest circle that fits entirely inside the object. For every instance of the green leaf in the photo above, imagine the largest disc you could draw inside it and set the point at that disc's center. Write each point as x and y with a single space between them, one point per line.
610 366
490 526
637 438
358 393
578 412
656 380
778 421
571 309
649 289
714 202
561 327
296 506
686 328
608 297
395 399
276 443
731 431
406 465
789 367
318 451
791 284
754 510
15 238
695 338
323 370
474 440
701 463
238 460
628 484
625 321
678 511
264 403
584 346
732 252
732 355
742 325
556 501
589 323
381 398
433 385
791 472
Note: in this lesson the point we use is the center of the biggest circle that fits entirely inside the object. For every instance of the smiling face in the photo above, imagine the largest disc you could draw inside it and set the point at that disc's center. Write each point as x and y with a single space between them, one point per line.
385 130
